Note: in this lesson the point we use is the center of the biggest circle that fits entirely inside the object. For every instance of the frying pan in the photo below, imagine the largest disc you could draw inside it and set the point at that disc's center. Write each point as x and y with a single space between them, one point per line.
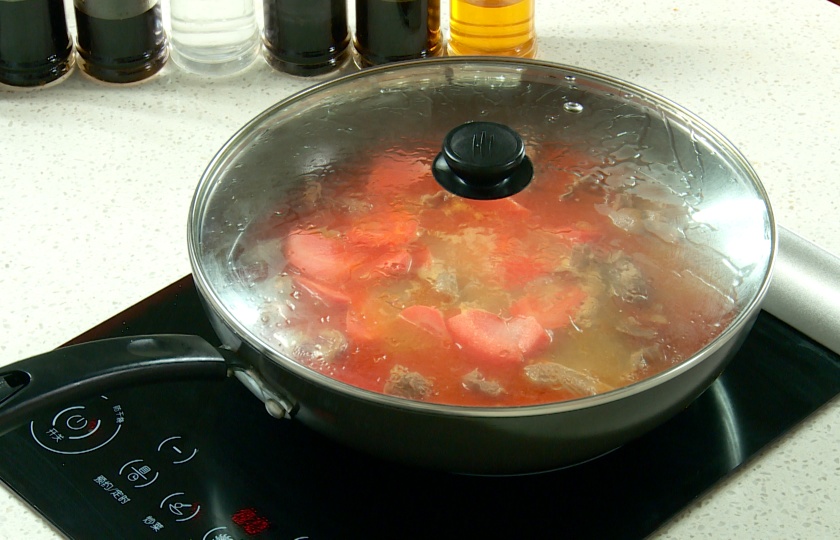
400 108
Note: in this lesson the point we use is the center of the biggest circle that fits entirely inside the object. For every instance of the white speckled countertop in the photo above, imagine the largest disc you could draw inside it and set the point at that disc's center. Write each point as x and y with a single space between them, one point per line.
95 182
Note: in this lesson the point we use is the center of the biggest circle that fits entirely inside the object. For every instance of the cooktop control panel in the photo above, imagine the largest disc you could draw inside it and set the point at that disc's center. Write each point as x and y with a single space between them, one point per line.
149 463
150 472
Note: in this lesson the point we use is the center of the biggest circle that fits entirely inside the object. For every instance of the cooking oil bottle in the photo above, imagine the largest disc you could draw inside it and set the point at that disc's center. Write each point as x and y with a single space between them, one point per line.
492 27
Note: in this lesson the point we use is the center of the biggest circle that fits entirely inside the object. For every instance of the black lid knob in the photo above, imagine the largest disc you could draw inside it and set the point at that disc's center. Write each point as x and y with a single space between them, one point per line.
483 160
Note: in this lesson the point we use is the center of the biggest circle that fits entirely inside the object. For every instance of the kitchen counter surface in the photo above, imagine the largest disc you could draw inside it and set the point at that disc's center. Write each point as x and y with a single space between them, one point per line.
96 180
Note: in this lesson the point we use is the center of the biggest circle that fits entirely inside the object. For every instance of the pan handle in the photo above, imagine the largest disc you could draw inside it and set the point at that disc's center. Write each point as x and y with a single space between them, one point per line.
88 369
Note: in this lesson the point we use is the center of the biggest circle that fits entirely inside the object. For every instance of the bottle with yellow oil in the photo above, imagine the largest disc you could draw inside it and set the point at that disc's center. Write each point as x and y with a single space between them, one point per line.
492 27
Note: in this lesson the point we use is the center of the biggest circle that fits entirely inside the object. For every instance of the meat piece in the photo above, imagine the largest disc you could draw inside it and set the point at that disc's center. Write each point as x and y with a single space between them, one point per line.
278 312
407 384
589 310
650 356
559 376
632 327
307 348
441 277
647 206
624 278
581 259
629 219
312 192
475 382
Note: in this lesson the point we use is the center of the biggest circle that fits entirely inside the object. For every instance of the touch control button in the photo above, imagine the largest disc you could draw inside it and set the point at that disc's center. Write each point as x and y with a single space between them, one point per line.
173 448
182 509
140 475
80 428
219 533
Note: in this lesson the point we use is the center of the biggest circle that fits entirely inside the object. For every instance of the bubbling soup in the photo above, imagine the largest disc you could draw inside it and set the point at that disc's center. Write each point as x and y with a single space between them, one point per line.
578 285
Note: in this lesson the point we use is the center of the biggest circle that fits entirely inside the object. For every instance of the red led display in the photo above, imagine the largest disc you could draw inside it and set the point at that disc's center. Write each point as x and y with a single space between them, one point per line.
250 521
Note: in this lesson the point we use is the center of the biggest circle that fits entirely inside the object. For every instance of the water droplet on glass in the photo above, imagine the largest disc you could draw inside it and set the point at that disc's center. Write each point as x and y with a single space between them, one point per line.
570 78
573 107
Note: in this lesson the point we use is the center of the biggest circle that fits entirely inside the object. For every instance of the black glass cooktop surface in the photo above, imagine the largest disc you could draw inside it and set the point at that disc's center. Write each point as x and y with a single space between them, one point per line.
204 461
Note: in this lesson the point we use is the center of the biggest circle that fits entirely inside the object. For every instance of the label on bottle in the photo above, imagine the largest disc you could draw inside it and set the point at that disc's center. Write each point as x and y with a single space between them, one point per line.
114 9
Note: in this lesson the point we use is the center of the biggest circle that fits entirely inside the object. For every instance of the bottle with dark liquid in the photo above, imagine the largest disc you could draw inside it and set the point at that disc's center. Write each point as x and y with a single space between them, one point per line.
306 37
120 41
492 27
35 47
395 30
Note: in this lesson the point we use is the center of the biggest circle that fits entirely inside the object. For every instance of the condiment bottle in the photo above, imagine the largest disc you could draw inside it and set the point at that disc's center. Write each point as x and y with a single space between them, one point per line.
213 37
35 47
306 37
492 27
120 41
395 30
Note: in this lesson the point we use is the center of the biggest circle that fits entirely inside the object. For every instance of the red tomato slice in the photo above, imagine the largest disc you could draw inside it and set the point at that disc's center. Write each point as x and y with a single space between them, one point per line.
394 264
328 295
485 337
325 259
551 307
426 318
395 176
529 335
383 229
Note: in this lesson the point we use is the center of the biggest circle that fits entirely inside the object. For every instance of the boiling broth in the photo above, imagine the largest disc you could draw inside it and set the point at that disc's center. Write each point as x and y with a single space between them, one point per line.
567 289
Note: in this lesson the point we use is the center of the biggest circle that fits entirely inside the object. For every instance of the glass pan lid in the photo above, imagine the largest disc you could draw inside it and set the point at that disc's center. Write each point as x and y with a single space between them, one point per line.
607 156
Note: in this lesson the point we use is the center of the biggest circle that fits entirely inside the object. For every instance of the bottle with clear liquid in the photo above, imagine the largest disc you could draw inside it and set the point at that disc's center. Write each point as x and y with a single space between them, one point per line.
213 37
492 27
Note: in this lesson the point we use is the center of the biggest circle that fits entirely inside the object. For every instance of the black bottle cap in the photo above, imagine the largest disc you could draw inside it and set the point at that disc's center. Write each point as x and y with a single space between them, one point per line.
483 160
